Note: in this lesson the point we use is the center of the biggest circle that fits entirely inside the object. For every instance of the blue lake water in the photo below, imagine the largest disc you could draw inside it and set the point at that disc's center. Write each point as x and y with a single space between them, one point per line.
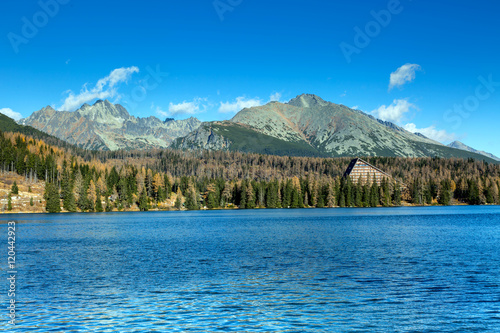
433 269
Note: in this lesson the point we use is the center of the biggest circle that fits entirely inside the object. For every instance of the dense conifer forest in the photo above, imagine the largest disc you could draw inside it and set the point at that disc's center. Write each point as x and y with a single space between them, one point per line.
76 180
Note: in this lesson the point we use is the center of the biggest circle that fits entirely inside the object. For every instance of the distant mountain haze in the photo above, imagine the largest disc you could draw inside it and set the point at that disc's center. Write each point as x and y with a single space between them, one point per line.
460 145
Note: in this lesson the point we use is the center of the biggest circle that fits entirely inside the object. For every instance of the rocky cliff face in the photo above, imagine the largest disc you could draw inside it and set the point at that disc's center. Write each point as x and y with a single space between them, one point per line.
107 126
204 137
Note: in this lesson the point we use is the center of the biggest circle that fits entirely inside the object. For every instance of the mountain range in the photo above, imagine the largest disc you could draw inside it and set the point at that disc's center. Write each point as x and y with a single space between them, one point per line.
305 126
107 126
309 126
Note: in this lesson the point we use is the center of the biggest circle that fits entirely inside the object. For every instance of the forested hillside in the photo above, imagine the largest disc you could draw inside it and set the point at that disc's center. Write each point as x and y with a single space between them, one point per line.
169 179
9 125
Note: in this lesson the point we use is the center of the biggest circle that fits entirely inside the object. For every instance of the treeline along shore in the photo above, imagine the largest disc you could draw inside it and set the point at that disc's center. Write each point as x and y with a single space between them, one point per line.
75 180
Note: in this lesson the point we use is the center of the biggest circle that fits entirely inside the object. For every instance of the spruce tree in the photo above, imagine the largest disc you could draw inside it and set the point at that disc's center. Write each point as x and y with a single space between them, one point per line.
52 198
374 195
295 198
191 202
321 202
243 195
98 203
15 188
250 196
397 195
9 202
211 201
143 201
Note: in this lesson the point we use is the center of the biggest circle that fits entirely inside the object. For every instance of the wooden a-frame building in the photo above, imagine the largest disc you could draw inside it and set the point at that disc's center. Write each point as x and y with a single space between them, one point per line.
359 169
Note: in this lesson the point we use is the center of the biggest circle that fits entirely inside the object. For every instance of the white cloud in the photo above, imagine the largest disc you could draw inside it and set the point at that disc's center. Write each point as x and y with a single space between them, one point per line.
355 107
394 112
104 88
403 74
432 133
239 104
275 97
9 113
189 108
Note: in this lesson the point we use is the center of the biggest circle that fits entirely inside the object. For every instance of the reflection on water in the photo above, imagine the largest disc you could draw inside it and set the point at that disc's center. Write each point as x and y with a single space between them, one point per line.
403 269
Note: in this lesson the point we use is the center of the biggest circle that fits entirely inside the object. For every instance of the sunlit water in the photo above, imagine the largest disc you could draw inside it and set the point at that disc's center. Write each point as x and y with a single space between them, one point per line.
322 270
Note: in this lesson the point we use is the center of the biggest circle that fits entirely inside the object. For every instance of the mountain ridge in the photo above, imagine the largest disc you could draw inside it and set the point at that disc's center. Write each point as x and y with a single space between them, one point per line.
462 146
107 126
329 129
307 125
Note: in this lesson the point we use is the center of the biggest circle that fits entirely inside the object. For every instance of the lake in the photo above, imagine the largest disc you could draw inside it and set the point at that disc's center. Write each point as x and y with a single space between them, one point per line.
432 269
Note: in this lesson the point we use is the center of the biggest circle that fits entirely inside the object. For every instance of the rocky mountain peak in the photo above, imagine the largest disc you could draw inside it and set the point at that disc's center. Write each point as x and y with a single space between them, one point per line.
308 101
104 112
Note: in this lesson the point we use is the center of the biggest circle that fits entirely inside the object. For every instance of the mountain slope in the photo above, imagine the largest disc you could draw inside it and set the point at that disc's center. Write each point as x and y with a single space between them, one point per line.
9 125
229 136
462 146
316 127
105 126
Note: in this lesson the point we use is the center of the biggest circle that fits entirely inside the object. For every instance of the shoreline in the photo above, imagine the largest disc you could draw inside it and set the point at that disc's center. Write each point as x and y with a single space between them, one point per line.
244 209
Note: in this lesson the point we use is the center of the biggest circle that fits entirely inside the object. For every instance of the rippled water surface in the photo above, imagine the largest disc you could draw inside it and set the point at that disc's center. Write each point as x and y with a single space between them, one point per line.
322 270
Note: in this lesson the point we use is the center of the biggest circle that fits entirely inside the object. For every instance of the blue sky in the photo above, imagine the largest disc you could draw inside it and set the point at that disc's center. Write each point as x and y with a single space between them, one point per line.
211 58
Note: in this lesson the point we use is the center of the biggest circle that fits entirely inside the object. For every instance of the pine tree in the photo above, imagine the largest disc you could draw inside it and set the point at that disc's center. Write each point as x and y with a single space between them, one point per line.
211 196
445 193
91 195
306 200
386 202
348 192
342 200
287 194
227 194
191 199
178 199
9 202
31 202
321 202
330 197
374 194
98 203
272 195
168 186
53 202
212 201
67 193
358 195
14 189
397 195
250 196
295 198
143 201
